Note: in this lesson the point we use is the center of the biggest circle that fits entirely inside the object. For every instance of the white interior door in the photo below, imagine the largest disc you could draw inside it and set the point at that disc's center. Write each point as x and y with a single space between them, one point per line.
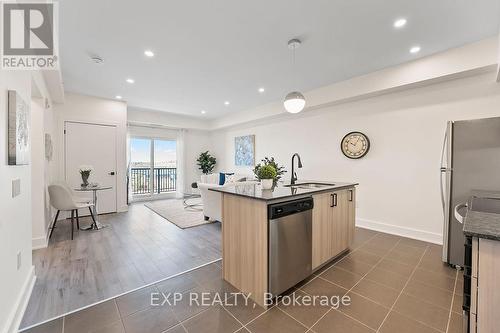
95 145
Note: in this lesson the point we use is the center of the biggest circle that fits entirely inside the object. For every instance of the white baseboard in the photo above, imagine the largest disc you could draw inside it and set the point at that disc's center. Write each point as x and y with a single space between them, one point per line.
422 235
43 242
14 320
39 242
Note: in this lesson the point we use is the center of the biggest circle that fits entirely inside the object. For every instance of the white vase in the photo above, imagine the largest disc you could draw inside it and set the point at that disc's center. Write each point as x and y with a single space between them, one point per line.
267 184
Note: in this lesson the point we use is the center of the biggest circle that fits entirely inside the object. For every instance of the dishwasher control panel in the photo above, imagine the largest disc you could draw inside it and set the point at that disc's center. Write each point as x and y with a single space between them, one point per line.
290 207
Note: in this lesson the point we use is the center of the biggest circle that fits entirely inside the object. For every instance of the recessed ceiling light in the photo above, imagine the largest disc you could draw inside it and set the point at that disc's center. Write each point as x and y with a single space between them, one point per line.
261 90
415 49
226 103
130 81
149 53
118 97
399 23
203 111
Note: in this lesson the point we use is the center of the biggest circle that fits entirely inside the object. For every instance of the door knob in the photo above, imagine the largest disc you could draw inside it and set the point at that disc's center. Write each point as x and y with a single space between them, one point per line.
112 173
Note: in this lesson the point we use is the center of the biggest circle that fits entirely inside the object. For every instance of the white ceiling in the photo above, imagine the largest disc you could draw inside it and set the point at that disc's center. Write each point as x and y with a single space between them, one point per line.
208 52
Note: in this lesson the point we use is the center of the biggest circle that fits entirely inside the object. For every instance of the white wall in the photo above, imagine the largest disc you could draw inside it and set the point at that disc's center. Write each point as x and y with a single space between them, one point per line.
498 59
15 217
399 178
43 172
196 143
38 181
100 111
171 120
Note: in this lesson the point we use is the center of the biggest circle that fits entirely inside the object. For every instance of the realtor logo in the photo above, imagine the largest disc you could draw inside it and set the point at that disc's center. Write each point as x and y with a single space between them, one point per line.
29 35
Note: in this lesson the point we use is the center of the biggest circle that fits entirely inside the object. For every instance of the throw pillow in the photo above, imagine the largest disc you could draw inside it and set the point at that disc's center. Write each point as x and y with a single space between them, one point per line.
223 177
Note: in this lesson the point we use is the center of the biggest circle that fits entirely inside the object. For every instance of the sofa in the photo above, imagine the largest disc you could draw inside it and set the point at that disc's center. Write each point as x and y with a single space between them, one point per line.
212 200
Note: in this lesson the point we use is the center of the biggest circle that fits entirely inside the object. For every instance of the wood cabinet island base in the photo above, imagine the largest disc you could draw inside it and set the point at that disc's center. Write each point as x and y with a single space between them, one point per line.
245 236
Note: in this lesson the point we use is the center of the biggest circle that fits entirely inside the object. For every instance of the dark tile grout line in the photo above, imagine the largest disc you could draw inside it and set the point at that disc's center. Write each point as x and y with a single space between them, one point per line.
242 326
289 315
368 272
375 266
375 282
452 300
424 301
319 276
401 292
385 270
334 264
314 278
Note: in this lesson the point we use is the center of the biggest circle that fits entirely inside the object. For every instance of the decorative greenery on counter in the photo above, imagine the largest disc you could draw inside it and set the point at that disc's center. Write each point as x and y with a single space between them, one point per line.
280 170
266 172
206 162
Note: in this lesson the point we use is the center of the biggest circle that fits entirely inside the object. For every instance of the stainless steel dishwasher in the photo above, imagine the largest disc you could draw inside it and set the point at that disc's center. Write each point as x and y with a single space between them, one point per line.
290 243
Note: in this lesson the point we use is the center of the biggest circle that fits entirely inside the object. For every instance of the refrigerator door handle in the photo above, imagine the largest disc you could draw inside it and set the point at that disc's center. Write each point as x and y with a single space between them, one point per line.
458 207
443 201
445 181
443 170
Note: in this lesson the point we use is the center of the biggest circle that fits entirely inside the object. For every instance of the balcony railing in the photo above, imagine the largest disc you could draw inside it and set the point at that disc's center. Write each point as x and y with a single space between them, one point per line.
165 180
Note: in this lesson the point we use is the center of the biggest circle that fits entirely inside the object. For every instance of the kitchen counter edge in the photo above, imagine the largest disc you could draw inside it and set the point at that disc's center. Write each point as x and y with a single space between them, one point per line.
482 225
304 193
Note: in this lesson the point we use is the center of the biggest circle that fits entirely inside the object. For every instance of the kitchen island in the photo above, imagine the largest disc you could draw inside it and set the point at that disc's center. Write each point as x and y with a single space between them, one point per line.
248 242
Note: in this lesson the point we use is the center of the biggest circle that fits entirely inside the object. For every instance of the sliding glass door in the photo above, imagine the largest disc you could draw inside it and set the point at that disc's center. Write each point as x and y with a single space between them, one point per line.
153 167
165 166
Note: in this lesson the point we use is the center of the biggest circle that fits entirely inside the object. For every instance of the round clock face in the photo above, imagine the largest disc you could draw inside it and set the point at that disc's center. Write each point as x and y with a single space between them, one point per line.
355 145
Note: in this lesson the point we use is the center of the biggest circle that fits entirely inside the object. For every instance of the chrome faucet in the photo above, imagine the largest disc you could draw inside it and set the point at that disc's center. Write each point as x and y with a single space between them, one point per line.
294 174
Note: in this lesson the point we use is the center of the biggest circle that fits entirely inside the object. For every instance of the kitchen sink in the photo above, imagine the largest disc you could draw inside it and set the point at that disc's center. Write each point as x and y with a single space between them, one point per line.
485 205
310 185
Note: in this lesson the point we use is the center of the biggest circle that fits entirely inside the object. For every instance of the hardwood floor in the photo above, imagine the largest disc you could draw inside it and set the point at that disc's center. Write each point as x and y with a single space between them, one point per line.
138 247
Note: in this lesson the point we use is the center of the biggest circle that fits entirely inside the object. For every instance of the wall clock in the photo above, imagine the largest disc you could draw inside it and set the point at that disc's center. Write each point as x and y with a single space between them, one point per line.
355 145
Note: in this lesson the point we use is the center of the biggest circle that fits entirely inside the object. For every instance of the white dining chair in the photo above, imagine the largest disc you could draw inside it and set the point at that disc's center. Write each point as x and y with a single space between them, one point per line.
62 199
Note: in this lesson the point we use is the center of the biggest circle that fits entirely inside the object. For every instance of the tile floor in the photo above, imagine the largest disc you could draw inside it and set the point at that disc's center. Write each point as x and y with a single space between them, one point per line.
395 284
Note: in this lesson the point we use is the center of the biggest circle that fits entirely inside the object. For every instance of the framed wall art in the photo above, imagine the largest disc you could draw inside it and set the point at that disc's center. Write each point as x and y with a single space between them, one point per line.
244 150
18 129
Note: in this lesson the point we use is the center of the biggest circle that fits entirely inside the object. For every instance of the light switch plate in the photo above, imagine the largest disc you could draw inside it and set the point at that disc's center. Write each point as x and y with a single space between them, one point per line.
16 187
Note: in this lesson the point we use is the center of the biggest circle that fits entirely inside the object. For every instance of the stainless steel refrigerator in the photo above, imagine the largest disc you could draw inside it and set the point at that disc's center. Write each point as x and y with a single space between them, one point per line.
470 161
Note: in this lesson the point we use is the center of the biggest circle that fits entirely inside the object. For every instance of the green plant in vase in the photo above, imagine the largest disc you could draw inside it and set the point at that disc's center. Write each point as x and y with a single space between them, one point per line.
206 162
267 175
85 171
280 170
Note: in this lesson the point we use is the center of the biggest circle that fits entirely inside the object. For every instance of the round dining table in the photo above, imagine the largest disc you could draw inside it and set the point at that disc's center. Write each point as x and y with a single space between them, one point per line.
94 189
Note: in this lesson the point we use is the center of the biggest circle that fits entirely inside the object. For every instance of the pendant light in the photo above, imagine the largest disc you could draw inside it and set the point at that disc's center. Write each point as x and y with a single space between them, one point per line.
294 101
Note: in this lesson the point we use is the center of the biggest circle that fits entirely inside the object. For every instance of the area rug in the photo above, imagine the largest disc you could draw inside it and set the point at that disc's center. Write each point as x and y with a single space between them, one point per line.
173 211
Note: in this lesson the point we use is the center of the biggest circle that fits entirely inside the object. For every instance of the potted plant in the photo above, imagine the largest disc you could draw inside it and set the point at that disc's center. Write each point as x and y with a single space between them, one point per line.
280 170
267 175
206 162
85 171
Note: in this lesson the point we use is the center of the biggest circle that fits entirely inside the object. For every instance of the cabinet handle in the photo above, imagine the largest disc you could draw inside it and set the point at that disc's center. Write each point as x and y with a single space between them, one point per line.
351 195
334 199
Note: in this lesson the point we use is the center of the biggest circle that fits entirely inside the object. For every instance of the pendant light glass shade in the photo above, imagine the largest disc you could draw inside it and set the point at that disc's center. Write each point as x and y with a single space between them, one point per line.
294 102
